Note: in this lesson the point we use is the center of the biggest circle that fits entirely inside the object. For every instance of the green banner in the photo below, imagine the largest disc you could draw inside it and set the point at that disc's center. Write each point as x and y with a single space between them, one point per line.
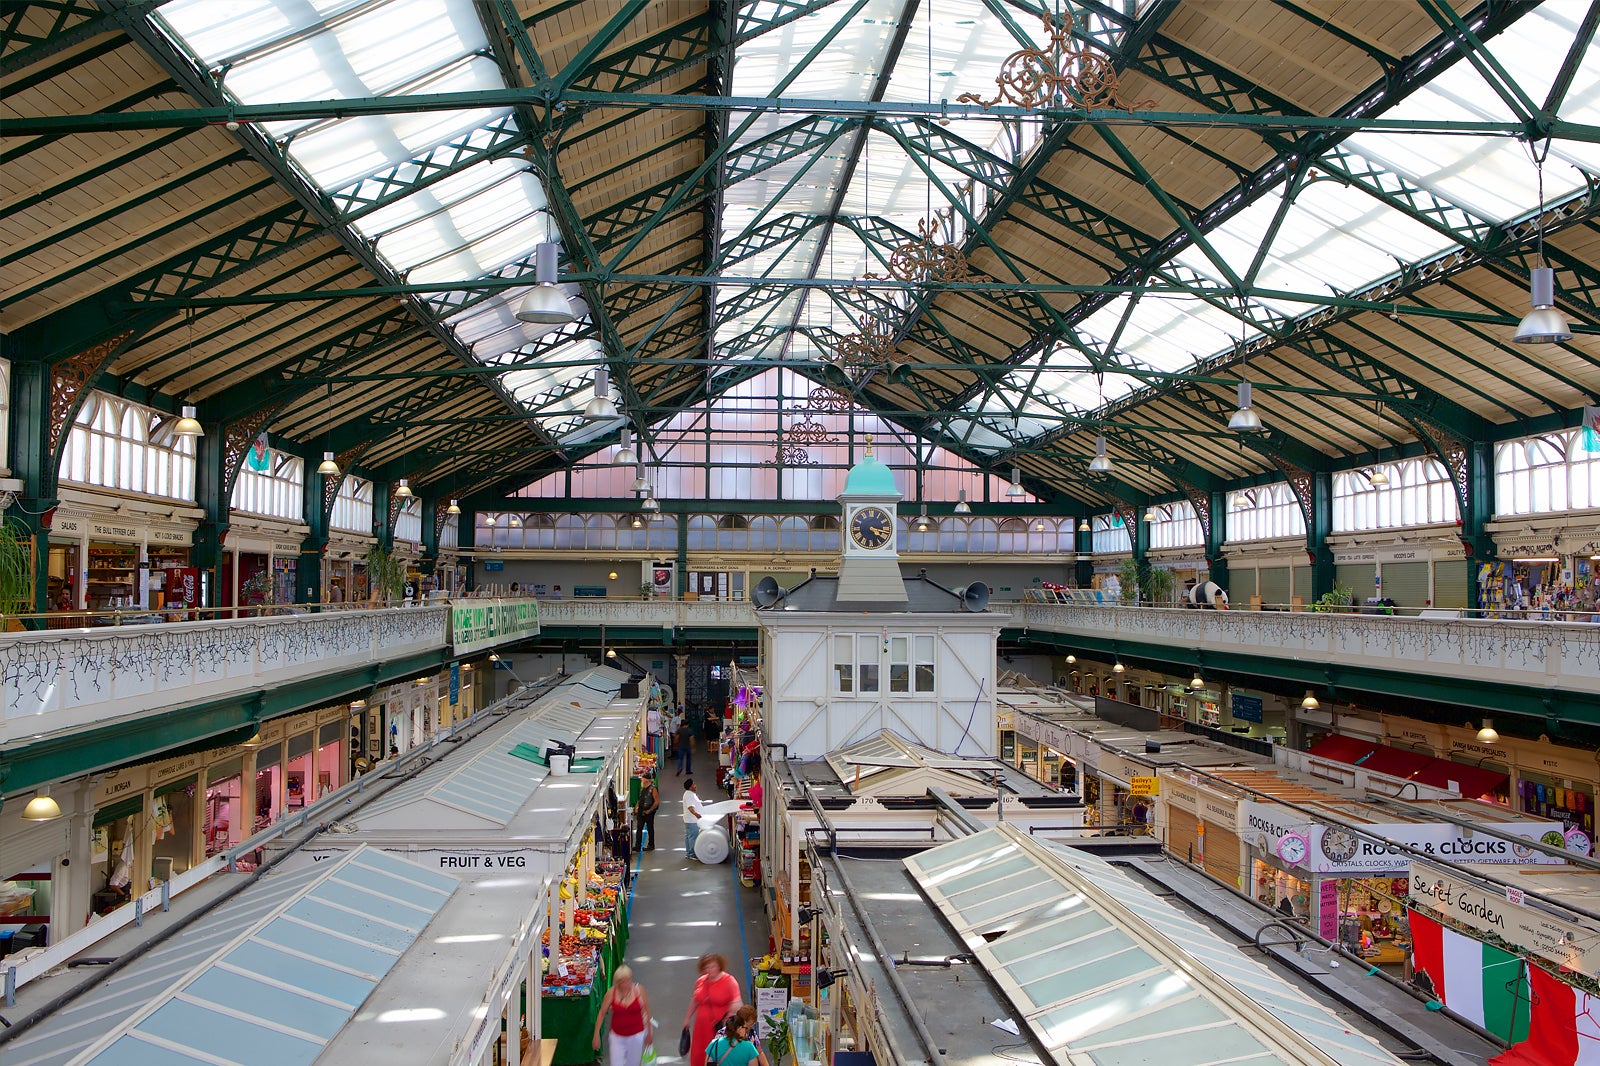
479 624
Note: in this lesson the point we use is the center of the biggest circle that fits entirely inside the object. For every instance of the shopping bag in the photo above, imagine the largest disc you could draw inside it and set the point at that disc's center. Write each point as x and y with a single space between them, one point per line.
649 1056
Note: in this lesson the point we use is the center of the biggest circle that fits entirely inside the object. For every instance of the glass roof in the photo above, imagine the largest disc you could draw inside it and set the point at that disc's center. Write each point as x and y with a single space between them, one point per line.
885 764
486 219
1104 971
276 993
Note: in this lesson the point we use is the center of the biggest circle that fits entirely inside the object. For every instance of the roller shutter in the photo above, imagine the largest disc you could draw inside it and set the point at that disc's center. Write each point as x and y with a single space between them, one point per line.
1302 583
1241 585
1182 832
1274 584
1406 584
32 846
1222 856
1450 579
1357 577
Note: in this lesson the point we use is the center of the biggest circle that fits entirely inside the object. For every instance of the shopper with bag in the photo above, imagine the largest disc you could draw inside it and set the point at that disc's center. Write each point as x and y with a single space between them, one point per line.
737 1046
625 1013
644 815
716 995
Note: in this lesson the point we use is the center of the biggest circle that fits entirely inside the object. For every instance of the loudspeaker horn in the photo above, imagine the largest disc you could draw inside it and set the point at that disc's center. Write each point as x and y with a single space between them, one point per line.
769 592
974 597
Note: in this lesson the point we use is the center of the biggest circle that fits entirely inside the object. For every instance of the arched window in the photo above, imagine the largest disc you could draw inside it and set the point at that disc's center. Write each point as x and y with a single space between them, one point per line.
277 492
121 445
1546 474
352 507
921 534
1412 492
733 532
569 531
702 532
1109 536
1267 512
1176 526
764 533
825 533
408 521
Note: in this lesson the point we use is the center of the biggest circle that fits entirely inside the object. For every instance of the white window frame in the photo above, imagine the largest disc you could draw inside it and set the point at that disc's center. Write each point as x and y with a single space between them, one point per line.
127 447
276 492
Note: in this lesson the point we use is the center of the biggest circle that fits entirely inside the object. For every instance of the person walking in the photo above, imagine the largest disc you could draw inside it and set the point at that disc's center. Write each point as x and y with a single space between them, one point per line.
716 995
625 1015
644 815
737 1046
685 748
692 813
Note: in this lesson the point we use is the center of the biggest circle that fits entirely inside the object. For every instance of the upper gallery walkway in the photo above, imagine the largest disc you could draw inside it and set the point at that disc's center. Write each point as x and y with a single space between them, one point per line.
100 695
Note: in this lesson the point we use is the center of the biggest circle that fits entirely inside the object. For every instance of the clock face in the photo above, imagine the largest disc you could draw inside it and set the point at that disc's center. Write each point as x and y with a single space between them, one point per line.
871 527
1292 849
1339 845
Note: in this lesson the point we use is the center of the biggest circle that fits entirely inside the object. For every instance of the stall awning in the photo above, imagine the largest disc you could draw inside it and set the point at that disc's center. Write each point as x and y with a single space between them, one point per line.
1472 782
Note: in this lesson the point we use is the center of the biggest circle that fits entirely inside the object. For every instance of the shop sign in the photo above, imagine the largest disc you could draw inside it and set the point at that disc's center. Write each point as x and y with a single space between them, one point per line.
159 535
1120 769
1350 555
480 861
1144 786
108 529
455 683
1181 794
1246 708
1049 734
1218 812
285 547
1567 943
479 625
66 525
119 785
1335 850
173 768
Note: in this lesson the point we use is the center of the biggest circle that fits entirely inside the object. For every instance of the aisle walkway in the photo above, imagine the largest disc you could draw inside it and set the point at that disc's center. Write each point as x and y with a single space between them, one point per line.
682 909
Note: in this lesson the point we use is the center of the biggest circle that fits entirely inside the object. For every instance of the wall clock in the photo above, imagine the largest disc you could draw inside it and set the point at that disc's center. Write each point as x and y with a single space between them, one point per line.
871 527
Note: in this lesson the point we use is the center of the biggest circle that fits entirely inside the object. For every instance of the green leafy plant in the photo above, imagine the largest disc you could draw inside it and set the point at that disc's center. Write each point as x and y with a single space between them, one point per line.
16 569
1142 582
385 573
1340 597
777 1042
257 588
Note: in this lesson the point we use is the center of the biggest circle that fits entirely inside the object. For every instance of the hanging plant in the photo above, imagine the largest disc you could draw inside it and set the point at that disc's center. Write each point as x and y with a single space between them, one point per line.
386 574
16 569
257 588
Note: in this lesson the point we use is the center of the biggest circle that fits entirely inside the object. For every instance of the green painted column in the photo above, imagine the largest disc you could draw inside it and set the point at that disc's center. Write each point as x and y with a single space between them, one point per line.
1477 513
1216 537
308 573
683 552
1317 549
382 527
33 463
212 533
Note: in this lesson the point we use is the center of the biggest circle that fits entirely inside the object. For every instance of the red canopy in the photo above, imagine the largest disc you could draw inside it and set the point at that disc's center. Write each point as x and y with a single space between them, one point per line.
1471 781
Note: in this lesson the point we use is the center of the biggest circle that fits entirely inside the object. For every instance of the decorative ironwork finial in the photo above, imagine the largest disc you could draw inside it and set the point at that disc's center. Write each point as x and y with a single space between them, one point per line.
1058 76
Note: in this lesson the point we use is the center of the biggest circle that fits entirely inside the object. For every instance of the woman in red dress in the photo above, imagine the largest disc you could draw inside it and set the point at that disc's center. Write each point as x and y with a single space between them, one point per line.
716 995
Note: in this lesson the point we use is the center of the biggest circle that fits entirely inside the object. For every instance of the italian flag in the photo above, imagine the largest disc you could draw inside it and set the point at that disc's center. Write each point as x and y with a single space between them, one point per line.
1566 1027
1475 981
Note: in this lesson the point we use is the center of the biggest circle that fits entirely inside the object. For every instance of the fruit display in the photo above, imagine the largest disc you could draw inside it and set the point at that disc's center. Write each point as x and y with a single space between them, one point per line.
571 974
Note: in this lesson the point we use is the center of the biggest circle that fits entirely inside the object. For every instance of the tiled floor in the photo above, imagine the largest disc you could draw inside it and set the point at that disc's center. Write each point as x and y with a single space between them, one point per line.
682 909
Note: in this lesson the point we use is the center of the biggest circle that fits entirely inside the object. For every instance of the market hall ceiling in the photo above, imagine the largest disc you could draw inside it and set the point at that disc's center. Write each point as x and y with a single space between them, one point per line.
320 218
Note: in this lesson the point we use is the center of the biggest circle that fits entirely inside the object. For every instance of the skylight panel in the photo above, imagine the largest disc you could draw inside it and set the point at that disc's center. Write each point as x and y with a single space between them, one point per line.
1166 334
843 70
494 250
440 195
217 31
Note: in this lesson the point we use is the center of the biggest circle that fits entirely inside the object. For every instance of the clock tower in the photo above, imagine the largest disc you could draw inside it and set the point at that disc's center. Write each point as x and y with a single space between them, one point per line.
869 569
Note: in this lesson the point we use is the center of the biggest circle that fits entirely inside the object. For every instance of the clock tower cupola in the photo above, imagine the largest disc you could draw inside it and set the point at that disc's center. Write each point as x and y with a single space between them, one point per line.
869 570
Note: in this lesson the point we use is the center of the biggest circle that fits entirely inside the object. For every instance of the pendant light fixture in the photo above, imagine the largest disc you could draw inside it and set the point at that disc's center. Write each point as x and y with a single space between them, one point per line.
1310 703
650 503
1083 526
1149 514
328 467
626 456
1071 660
1101 463
922 519
1197 682
1488 734
1117 667
403 489
42 808
1544 324
640 484
601 406
545 304
454 508
1016 489
1378 477
188 425
1245 419
637 523
516 521
488 520
962 507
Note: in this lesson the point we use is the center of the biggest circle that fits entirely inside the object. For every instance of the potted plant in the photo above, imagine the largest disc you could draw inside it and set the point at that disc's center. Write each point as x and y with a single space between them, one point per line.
777 1042
385 573
256 589
1338 599
16 571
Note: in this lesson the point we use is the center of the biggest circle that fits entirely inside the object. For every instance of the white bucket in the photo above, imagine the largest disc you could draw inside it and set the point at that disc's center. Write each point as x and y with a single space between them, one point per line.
559 764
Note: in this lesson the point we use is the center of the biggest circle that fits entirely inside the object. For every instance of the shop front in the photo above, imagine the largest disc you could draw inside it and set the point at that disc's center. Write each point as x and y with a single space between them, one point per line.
1201 825
118 561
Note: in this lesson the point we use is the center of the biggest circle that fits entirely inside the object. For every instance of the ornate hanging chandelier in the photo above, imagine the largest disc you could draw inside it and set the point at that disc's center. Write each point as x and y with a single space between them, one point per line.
869 349
927 260
1059 76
